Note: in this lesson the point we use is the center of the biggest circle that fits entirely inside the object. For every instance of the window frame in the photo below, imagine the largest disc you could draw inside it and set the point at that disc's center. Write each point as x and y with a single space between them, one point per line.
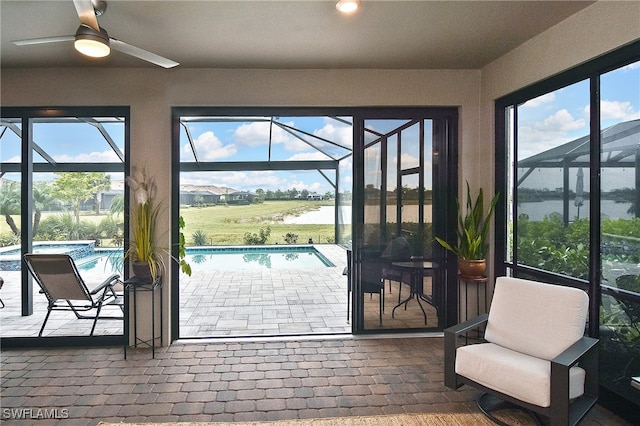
27 168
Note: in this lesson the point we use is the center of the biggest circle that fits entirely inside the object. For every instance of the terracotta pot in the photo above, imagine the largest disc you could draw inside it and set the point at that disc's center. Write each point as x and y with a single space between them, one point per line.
472 268
141 270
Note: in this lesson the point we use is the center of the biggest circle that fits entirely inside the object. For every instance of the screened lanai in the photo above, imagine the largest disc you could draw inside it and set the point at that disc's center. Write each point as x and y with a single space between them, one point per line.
271 154
62 191
268 146
620 158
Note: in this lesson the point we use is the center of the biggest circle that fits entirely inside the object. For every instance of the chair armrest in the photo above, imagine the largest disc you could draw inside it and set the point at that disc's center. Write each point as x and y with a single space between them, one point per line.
467 325
575 352
450 346
106 283
584 351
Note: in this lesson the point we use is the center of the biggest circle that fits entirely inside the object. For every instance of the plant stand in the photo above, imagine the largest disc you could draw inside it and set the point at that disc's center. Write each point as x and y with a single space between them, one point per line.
131 288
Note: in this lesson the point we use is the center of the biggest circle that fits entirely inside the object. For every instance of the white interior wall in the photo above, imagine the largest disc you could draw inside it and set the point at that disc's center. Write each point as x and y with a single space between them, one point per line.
152 92
592 32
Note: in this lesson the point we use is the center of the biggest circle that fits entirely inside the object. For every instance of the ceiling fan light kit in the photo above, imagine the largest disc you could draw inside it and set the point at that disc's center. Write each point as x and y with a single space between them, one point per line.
91 43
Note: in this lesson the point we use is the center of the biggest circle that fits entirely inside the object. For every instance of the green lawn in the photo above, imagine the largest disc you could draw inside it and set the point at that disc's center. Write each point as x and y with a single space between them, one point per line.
226 225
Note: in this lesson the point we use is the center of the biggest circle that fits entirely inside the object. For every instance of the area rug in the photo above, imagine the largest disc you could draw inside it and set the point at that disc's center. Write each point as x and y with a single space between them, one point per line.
422 419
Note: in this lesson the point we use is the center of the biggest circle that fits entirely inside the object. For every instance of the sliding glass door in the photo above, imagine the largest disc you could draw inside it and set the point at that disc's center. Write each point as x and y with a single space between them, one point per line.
398 273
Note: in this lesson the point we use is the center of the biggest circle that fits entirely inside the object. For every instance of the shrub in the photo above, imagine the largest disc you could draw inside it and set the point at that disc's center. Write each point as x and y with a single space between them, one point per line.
199 238
9 240
253 239
291 238
110 228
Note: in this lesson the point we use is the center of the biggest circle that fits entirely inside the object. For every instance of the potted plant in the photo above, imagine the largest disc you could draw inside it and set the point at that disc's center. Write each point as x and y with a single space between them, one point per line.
146 259
473 233
185 267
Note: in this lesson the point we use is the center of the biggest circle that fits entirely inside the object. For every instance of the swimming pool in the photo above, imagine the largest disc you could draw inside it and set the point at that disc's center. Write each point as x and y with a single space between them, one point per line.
10 256
261 257
106 261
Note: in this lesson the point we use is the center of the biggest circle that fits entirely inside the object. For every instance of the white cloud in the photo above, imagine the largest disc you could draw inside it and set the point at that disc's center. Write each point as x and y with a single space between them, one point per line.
210 148
253 134
548 133
616 110
535 140
633 66
536 102
258 134
407 161
561 121
340 134
107 156
308 156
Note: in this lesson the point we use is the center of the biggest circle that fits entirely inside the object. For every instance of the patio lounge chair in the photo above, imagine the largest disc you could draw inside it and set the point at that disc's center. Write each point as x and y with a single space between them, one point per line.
58 277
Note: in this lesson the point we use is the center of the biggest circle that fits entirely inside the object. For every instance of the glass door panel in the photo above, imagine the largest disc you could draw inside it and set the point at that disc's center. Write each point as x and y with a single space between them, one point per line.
620 231
395 284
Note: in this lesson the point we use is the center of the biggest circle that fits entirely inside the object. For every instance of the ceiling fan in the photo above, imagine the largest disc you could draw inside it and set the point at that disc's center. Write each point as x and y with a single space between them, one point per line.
91 40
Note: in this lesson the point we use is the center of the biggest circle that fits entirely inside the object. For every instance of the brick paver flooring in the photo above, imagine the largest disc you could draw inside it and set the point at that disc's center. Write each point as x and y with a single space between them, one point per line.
234 381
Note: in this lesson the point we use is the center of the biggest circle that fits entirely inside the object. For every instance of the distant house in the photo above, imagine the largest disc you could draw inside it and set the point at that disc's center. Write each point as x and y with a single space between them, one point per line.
204 194
241 197
314 196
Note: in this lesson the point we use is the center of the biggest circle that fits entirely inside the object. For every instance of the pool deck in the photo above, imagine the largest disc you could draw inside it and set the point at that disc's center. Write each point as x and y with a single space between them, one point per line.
241 303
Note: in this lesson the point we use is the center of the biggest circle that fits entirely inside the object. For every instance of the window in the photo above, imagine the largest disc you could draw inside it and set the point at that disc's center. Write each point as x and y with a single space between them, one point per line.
571 146
61 191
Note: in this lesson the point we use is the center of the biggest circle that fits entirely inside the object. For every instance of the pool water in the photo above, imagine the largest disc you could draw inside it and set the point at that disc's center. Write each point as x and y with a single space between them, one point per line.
232 258
106 261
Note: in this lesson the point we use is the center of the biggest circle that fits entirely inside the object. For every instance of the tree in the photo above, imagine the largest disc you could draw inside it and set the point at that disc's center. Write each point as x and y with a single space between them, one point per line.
117 205
292 193
101 183
10 204
78 187
41 199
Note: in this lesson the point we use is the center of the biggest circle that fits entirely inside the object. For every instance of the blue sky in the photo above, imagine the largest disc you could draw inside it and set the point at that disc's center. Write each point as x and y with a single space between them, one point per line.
545 122
245 140
563 115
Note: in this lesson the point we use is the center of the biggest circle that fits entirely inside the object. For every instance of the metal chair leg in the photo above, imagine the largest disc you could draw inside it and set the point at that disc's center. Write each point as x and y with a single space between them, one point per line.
488 403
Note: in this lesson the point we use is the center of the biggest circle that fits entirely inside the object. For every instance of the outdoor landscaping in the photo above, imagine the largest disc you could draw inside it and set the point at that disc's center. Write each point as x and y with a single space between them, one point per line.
211 225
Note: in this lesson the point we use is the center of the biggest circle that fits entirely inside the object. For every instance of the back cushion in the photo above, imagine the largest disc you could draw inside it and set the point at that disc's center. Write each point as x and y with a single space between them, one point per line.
537 319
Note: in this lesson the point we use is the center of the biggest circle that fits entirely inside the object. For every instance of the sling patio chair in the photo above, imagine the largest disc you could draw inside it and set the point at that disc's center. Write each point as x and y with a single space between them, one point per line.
60 281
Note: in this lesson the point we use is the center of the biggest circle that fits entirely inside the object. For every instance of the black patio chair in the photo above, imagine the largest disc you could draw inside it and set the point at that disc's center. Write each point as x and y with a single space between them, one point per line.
60 281
397 250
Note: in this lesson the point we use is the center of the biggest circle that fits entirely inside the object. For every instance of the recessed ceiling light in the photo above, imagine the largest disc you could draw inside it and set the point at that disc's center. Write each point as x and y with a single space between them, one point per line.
348 6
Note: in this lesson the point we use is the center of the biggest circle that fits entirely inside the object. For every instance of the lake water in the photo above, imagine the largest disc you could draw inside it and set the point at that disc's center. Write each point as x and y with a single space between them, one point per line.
325 215
537 211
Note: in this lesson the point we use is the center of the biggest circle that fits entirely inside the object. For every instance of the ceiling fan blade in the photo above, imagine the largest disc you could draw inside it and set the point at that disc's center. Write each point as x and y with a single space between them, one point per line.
142 54
43 40
86 13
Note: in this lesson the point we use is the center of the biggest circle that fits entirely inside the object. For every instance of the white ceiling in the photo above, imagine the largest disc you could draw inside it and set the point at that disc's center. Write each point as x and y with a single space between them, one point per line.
286 34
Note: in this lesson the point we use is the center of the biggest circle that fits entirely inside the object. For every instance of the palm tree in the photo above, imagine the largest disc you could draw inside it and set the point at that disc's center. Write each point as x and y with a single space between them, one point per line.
41 199
10 204
117 205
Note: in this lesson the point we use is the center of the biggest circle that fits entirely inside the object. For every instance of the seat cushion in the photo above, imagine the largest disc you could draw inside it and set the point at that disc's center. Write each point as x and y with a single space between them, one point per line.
541 320
522 376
